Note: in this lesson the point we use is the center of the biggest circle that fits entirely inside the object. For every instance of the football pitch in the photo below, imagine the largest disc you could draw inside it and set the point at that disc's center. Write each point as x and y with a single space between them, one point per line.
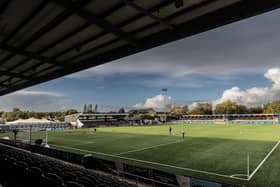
239 154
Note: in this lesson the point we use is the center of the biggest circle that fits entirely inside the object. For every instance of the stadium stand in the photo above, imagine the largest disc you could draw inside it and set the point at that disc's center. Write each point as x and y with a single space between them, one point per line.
53 125
87 120
231 119
89 124
42 40
23 168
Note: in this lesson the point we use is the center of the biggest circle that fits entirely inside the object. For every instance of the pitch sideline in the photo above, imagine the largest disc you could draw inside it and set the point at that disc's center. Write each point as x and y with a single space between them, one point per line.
263 161
155 163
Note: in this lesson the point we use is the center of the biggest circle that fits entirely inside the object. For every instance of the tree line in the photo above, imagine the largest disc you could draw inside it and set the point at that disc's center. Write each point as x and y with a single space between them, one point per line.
226 107
229 107
16 113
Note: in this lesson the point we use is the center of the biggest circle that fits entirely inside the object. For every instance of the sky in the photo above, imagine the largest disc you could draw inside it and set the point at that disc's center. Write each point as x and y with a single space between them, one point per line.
240 61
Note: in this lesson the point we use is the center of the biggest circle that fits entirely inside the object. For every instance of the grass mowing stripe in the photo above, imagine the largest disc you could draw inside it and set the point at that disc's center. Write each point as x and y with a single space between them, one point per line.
145 148
217 148
263 161
154 163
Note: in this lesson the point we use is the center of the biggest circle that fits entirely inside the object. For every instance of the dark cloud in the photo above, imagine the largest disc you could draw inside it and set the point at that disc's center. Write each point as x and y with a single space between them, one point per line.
33 100
247 46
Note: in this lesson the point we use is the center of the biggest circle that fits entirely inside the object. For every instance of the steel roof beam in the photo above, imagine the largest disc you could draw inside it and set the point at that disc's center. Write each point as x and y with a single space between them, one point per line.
65 37
79 29
9 73
30 55
88 40
4 86
4 6
99 21
69 35
95 48
33 14
92 49
179 13
46 28
153 9
149 14
168 19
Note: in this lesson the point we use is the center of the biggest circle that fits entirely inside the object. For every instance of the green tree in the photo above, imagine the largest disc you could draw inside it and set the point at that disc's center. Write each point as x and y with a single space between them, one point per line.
185 109
241 109
89 109
17 114
23 115
272 107
95 108
140 112
71 111
202 108
255 110
226 107
16 110
230 107
85 108
177 110
121 110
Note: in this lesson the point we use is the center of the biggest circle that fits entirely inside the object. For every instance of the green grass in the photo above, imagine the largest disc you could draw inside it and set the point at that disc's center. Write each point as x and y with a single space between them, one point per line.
220 149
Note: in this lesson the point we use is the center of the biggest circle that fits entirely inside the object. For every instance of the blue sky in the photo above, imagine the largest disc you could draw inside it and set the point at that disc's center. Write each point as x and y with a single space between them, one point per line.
238 61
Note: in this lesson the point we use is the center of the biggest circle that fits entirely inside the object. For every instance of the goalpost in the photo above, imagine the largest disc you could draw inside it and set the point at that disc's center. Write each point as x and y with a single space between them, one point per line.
248 165
26 134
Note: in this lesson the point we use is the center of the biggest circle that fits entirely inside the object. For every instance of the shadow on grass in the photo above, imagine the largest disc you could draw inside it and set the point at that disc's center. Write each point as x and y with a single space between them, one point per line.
222 156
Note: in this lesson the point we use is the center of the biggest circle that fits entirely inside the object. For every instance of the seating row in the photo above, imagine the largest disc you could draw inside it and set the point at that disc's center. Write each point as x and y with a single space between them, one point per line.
23 168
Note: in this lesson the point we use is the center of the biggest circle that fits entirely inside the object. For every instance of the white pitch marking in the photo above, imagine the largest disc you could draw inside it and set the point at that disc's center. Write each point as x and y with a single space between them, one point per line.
83 143
240 175
145 148
155 163
263 161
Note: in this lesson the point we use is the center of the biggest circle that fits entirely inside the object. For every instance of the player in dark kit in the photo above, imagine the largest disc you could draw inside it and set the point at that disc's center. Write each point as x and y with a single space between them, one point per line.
170 131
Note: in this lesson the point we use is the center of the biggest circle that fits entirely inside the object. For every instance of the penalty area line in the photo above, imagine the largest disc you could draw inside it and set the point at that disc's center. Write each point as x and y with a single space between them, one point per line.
145 148
263 161
154 163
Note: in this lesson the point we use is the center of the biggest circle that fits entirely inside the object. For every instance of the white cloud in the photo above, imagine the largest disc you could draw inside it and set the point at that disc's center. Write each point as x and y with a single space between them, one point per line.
33 100
193 105
36 93
255 96
273 75
156 102
251 97
138 105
